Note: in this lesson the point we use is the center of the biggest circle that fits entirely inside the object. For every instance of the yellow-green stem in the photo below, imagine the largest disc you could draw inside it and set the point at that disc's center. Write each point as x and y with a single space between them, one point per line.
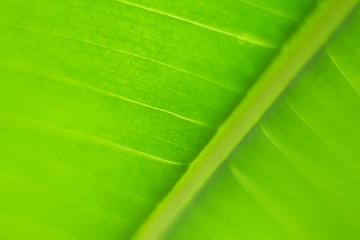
300 48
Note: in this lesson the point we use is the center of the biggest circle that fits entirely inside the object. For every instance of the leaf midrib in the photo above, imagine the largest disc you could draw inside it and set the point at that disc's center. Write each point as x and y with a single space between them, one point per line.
293 57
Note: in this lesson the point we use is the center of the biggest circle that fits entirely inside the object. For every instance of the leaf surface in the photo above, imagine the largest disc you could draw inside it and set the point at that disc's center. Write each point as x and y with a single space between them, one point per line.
105 104
295 175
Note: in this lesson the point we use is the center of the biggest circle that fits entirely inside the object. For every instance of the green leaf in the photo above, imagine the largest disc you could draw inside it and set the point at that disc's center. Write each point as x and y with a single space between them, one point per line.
106 105
296 174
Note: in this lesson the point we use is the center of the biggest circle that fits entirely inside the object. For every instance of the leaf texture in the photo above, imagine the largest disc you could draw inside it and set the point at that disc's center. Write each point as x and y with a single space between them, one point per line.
295 175
104 104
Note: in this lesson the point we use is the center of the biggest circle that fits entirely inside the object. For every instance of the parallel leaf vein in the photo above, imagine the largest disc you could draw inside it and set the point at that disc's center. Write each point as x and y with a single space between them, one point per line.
248 39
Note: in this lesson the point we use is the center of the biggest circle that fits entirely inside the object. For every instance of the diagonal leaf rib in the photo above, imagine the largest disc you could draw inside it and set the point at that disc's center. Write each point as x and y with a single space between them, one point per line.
310 37
333 60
